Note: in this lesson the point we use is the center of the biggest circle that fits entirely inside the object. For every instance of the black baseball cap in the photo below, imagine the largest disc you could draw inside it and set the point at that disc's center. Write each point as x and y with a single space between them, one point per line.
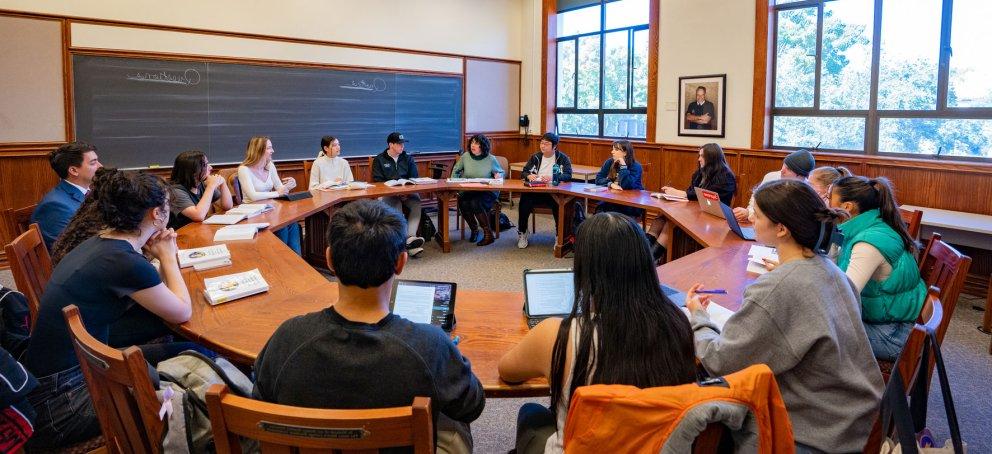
396 137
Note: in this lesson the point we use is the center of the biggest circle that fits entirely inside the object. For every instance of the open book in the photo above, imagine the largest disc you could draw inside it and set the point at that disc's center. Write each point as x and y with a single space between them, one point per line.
668 197
233 286
332 186
490 181
401 182
239 232
201 255
239 213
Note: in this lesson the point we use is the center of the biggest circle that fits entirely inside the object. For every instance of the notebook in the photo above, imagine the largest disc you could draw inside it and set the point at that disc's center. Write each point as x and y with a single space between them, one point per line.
548 293
425 302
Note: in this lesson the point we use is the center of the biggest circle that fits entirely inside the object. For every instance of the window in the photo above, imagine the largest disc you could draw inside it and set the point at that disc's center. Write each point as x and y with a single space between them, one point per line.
602 68
907 77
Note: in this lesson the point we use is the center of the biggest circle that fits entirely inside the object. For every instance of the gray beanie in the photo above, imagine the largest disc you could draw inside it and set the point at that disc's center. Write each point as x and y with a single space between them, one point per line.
801 162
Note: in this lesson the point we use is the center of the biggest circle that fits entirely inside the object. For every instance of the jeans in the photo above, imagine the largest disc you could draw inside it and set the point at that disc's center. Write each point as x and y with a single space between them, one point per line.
412 203
291 236
535 424
65 411
887 339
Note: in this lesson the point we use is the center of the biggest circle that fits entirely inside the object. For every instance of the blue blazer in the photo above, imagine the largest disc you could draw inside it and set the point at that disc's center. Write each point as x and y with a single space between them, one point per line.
56 209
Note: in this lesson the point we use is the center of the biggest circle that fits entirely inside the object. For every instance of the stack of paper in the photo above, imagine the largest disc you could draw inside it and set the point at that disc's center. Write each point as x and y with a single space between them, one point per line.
401 182
331 186
239 232
596 189
718 314
755 264
203 255
233 286
476 180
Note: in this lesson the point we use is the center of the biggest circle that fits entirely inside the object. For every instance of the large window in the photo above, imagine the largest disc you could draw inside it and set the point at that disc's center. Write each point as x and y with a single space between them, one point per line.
883 76
602 69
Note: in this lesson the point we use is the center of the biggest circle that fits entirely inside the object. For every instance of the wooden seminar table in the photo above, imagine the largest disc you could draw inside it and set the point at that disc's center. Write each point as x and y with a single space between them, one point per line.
578 171
489 323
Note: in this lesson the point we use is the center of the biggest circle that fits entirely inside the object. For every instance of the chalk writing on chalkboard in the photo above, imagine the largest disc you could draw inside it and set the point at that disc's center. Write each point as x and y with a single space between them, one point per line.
373 85
188 77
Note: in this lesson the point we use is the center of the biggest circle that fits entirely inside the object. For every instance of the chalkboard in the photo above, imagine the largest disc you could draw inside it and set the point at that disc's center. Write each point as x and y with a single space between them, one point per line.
140 112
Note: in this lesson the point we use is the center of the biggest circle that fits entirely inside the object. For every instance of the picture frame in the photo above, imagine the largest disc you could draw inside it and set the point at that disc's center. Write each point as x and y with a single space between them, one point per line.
706 119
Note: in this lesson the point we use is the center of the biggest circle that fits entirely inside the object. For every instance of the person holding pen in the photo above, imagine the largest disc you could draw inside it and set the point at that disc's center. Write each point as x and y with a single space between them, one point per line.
191 179
259 181
330 168
620 172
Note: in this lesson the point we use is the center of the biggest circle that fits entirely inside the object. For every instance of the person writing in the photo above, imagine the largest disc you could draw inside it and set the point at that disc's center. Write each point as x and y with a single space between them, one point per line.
191 179
619 172
880 258
475 206
796 166
622 330
259 180
330 168
803 320
394 164
106 277
540 167
75 163
699 114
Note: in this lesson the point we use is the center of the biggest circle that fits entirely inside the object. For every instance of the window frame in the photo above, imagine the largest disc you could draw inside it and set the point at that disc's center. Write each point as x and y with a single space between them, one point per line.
872 116
601 112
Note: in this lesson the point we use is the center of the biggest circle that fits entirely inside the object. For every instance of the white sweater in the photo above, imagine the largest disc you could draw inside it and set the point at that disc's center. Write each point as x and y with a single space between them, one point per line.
326 168
253 189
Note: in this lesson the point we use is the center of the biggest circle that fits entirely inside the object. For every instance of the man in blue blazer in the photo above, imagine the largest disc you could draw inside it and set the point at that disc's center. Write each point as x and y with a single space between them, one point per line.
75 163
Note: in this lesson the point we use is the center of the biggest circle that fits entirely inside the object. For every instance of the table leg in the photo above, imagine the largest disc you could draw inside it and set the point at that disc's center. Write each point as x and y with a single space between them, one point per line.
987 318
444 202
566 207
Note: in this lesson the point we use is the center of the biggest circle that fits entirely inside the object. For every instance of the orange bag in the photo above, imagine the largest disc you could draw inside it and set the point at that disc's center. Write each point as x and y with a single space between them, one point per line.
621 418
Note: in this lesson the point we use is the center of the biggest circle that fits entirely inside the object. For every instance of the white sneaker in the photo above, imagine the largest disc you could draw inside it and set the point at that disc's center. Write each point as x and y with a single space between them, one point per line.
414 242
521 240
415 251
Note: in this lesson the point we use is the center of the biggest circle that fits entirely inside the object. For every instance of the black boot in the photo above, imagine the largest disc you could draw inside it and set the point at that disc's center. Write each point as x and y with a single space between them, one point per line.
658 252
487 230
473 225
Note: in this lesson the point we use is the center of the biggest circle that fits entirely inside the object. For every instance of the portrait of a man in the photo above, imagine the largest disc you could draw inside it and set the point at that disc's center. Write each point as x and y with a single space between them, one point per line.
702 108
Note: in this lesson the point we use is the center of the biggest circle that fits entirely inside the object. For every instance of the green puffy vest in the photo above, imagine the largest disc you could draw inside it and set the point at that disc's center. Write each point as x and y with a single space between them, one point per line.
899 298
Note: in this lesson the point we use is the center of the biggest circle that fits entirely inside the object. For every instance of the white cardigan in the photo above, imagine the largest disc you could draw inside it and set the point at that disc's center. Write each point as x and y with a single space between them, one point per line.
253 189
326 168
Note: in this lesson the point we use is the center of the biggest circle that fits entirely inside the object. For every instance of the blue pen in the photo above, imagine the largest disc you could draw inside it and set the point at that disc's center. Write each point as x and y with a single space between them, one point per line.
716 291
456 340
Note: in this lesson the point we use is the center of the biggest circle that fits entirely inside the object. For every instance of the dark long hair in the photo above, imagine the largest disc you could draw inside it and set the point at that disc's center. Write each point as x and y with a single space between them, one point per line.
325 141
86 222
187 171
714 163
126 196
871 193
628 331
628 148
800 209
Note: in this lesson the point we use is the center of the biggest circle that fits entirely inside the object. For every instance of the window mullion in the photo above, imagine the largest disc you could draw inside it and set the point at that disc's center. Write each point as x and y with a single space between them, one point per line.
871 128
944 65
818 60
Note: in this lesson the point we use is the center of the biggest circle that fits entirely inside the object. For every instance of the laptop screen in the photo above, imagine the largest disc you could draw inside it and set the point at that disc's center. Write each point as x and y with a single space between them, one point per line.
422 301
548 292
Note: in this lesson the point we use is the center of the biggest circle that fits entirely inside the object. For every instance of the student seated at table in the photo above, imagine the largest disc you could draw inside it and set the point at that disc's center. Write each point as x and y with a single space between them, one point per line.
822 177
475 206
713 174
620 317
540 167
119 294
259 181
619 172
87 221
191 179
330 167
75 163
803 320
880 258
395 164
355 353
796 166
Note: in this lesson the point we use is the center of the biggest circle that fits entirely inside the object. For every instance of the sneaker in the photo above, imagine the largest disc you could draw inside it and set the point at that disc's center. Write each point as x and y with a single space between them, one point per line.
414 242
521 240
414 252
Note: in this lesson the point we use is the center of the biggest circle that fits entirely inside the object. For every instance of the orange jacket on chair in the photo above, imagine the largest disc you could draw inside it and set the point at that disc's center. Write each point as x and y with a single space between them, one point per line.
620 418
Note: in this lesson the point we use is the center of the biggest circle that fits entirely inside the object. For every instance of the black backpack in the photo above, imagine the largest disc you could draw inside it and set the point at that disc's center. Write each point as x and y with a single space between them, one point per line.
15 321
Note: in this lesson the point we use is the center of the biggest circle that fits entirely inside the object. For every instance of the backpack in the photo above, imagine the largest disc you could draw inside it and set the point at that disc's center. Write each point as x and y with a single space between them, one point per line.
504 223
189 375
580 216
15 325
426 229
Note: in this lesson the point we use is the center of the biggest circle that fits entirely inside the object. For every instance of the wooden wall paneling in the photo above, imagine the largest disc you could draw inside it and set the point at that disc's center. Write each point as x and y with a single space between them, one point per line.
751 170
680 164
938 188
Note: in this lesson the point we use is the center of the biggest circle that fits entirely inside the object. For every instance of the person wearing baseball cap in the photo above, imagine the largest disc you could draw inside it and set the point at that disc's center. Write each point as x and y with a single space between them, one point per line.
395 164
796 166
540 167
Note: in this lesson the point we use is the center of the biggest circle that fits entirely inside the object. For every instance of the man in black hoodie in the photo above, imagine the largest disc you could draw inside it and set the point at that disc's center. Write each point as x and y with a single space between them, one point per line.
541 167
394 164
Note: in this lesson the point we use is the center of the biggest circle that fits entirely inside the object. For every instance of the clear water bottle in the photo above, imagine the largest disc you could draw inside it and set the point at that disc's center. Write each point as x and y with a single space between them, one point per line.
555 175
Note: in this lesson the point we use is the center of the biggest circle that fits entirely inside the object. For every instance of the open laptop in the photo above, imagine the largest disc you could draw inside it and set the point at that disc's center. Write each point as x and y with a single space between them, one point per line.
548 293
709 202
425 302
746 233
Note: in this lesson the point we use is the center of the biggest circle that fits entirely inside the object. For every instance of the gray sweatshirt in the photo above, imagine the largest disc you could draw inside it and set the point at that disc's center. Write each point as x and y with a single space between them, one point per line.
804 321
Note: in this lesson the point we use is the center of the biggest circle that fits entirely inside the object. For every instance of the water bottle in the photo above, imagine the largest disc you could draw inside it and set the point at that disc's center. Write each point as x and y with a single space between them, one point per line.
555 175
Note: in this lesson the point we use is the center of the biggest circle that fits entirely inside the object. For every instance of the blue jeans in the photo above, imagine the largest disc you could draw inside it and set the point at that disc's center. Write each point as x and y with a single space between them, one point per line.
535 424
65 411
887 339
291 236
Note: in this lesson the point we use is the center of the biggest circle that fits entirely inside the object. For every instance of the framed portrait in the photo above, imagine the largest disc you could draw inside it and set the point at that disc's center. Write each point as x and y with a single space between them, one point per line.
702 105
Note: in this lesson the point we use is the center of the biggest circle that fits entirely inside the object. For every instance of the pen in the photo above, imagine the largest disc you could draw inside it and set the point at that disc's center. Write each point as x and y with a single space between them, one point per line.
716 291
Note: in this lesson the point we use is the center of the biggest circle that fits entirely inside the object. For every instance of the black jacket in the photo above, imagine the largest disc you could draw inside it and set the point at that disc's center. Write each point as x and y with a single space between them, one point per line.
385 169
534 163
723 183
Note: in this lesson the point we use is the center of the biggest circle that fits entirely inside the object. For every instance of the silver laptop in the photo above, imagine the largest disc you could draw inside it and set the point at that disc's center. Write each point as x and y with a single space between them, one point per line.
548 293
709 202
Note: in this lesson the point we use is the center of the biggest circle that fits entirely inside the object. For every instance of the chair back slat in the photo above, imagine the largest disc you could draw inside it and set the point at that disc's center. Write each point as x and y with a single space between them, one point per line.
31 266
278 428
944 267
120 388
913 220
235 186
18 220
307 167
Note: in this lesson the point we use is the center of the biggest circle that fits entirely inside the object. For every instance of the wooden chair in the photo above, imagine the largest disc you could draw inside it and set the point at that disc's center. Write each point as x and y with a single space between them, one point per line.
18 219
910 360
121 391
31 266
307 166
913 220
944 267
371 160
234 185
279 428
